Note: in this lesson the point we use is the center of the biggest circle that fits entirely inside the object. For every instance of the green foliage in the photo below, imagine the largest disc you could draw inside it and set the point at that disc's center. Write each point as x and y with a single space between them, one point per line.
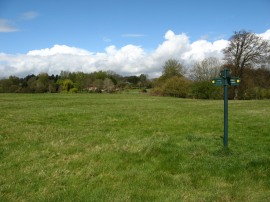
133 79
206 90
157 91
171 82
42 83
73 90
101 81
254 82
177 87
131 147
67 85
172 68
5 85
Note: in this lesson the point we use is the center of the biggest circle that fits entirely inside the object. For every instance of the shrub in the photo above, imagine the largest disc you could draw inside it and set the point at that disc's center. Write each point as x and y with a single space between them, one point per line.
206 90
177 87
157 91
73 90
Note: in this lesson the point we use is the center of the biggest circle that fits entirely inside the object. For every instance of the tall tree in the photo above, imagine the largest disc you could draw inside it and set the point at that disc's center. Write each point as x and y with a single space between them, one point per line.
245 50
172 68
42 83
171 82
67 85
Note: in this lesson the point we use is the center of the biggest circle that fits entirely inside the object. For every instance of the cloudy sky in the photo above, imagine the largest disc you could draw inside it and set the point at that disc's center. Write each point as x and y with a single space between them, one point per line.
126 36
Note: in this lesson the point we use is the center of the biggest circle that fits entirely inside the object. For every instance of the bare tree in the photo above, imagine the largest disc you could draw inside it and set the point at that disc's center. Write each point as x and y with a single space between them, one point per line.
245 50
108 85
207 69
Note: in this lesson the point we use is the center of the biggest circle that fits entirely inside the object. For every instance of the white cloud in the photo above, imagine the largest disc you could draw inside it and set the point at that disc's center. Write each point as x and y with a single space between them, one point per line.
126 60
202 49
30 15
6 26
265 35
173 46
59 49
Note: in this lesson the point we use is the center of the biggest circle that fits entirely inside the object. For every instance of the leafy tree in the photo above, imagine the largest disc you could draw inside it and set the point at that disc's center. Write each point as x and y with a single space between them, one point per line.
64 74
54 77
42 83
67 85
14 80
133 79
78 79
144 81
29 76
172 82
15 84
116 78
100 75
255 84
28 84
31 83
5 85
53 87
172 68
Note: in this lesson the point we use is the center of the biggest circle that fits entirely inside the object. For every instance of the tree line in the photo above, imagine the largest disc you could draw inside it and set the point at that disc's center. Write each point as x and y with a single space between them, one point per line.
247 56
73 82
255 82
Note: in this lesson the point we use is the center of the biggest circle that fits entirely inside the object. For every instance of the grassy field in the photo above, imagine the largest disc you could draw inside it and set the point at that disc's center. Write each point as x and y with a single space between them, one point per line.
132 147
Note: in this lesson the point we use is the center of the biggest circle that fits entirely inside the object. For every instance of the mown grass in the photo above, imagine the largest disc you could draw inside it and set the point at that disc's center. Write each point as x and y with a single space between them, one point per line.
132 147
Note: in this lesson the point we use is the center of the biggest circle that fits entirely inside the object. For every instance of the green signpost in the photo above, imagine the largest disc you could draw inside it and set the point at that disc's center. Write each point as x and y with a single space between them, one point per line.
224 80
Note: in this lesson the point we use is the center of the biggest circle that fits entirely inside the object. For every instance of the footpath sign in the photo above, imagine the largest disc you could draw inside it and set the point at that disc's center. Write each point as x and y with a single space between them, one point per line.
224 80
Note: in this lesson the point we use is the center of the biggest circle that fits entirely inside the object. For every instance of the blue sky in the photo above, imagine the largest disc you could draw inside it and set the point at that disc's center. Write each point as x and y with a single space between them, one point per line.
98 25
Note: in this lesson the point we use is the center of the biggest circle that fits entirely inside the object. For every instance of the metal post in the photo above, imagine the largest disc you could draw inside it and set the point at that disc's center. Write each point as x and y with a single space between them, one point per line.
226 79
225 139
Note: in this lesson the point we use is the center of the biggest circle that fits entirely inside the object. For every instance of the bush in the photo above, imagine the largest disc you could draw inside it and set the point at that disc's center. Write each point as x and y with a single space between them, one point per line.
73 90
143 90
175 86
157 91
256 93
206 90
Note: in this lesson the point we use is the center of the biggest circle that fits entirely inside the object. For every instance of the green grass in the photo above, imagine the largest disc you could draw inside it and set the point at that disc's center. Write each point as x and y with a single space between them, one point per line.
132 147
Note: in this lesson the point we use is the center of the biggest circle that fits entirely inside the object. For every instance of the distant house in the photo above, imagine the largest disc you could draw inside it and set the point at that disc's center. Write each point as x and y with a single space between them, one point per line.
91 88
